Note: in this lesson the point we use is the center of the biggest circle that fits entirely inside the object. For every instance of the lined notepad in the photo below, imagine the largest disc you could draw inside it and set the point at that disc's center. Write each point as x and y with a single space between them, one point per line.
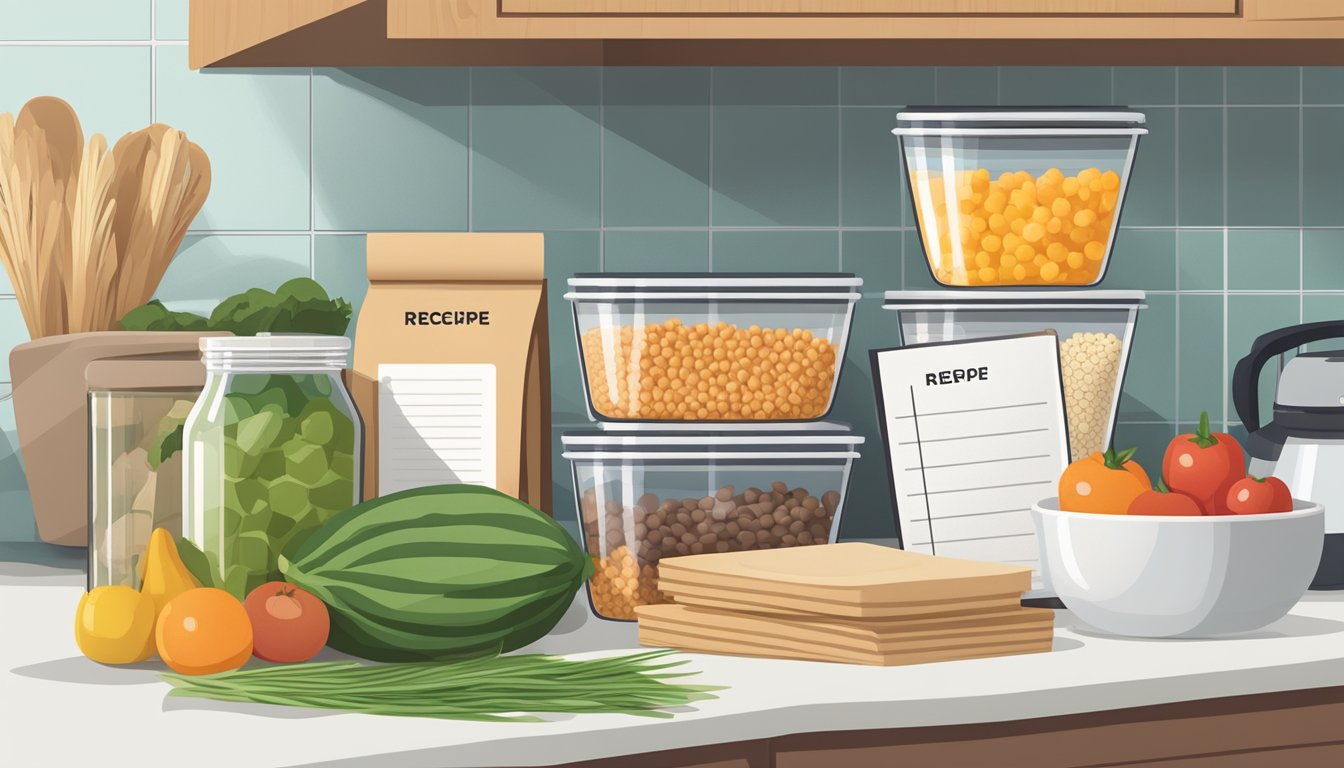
975 434
436 424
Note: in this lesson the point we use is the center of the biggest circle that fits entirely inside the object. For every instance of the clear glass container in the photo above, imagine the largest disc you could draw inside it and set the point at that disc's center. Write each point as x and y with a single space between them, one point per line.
136 414
711 348
273 448
1018 197
1095 330
649 495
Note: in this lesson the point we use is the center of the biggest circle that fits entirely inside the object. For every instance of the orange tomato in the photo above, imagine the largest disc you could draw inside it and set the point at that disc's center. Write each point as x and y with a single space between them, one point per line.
203 631
1105 483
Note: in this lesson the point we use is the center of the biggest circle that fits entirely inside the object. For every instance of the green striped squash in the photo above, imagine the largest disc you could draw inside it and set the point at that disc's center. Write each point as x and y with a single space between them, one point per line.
439 572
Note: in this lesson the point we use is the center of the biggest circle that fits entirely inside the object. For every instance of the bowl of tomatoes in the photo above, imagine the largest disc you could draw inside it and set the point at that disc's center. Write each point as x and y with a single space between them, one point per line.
1205 550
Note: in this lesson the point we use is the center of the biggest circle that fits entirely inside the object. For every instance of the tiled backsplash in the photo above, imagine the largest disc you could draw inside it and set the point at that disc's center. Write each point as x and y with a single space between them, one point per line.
1234 225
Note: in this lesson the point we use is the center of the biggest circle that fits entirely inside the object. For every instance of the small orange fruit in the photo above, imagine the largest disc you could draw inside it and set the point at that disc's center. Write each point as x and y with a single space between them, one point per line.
203 631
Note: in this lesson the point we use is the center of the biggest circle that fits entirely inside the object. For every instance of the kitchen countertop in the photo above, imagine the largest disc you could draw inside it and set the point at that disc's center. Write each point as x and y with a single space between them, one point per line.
59 709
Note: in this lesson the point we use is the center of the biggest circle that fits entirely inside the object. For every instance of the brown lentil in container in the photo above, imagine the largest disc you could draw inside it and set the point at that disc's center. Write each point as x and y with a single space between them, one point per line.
637 538
703 372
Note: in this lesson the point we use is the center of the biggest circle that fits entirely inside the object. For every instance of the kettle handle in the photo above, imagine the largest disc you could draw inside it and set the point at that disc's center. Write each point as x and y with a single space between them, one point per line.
1246 377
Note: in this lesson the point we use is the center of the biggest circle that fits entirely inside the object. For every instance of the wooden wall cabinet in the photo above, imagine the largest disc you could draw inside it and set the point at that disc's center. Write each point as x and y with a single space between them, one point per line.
765 32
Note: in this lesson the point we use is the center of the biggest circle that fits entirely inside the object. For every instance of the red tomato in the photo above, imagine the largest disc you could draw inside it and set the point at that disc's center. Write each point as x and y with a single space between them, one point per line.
1259 495
1165 503
1204 465
288 623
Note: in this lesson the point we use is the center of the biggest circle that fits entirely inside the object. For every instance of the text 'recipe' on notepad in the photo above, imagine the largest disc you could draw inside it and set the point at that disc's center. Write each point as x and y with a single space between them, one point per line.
976 434
436 425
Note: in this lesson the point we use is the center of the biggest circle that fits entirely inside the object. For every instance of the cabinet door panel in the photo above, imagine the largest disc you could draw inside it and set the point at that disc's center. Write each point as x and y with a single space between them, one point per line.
875 7
1286 10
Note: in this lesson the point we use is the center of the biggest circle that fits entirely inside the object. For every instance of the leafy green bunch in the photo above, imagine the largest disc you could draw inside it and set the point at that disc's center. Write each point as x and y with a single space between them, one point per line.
299 306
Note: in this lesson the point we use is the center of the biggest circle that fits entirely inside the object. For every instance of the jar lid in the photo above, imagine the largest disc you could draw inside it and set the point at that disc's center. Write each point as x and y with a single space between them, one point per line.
976 299
276 352
1019 121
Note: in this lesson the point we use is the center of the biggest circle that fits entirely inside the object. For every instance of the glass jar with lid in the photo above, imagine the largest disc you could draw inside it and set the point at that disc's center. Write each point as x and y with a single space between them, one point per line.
272 450
137 407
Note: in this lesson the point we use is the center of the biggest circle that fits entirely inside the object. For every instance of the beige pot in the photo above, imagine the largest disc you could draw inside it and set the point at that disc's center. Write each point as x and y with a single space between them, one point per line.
52 414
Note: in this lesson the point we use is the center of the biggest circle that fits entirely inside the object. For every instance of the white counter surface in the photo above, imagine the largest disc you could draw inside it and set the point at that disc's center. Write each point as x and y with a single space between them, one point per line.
58 709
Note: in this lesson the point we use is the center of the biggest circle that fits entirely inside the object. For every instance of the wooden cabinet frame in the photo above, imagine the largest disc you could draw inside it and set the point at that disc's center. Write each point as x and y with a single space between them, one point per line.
765 32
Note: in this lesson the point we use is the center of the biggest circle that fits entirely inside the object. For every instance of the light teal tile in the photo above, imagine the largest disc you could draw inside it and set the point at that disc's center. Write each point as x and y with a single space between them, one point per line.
536 147
1247 318
872 185
967 86
1150 442
1199 85
1323 85
1318 307
1262 172
1151 197
75 19
1199 171
1263 260
1201 260
16 506
380 129
339 266
776 166
1145 85
1323 259
875 257
1055 86
566 254
108 86
1263 85
887 87
254 126
656 251
210 268
915 264
6 287
867 511
656 147
563 508
1323 171
1149 392
1201 356
13 331
776 86
1143 259
170 21
803 251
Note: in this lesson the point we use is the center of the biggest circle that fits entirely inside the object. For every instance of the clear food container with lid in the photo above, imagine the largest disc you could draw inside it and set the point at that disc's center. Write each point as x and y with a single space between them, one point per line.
711 347
1094 328
272 450
648 495
1018 196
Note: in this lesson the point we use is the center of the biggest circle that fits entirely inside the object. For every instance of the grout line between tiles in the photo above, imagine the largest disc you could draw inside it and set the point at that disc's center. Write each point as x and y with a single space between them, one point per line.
153 61
1176 196
471 149
312 180
1226 301
839 174
602 169
710 174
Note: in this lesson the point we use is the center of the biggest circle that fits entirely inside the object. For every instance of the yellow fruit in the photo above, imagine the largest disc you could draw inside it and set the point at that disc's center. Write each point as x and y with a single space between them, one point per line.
165 576
115 625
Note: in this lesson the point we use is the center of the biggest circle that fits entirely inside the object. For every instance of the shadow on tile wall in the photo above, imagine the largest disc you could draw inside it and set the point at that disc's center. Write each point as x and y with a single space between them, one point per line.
1235 223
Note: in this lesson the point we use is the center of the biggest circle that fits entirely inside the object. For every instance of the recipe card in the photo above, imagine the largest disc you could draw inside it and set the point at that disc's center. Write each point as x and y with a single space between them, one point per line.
975 435
436 425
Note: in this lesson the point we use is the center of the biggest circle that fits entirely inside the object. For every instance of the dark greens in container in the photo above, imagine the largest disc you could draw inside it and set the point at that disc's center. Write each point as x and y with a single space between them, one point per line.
271 454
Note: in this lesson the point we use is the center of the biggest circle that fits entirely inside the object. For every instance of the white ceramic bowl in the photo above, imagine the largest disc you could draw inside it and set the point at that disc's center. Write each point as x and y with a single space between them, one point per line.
1150 576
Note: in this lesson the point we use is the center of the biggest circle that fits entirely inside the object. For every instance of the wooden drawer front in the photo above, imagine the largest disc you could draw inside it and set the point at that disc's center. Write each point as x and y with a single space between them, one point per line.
868 7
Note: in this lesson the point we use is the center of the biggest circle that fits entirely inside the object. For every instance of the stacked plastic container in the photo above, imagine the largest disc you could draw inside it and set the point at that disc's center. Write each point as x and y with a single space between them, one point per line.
709 394
1012 206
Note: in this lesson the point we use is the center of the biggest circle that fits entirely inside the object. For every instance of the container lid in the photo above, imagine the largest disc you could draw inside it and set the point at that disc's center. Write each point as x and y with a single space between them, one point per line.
1046 121
275 352
145 375
721 427
836 442
812 281
905 300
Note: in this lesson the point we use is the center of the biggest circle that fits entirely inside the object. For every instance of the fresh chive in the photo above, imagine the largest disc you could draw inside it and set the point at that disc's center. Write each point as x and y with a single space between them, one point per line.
484 688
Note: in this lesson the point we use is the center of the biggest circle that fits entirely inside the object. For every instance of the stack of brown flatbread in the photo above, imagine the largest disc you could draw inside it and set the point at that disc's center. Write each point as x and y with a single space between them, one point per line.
855 603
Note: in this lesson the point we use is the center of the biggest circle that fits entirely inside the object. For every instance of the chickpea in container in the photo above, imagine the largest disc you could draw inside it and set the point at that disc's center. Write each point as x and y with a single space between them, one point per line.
1018 197
647 496
712 348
